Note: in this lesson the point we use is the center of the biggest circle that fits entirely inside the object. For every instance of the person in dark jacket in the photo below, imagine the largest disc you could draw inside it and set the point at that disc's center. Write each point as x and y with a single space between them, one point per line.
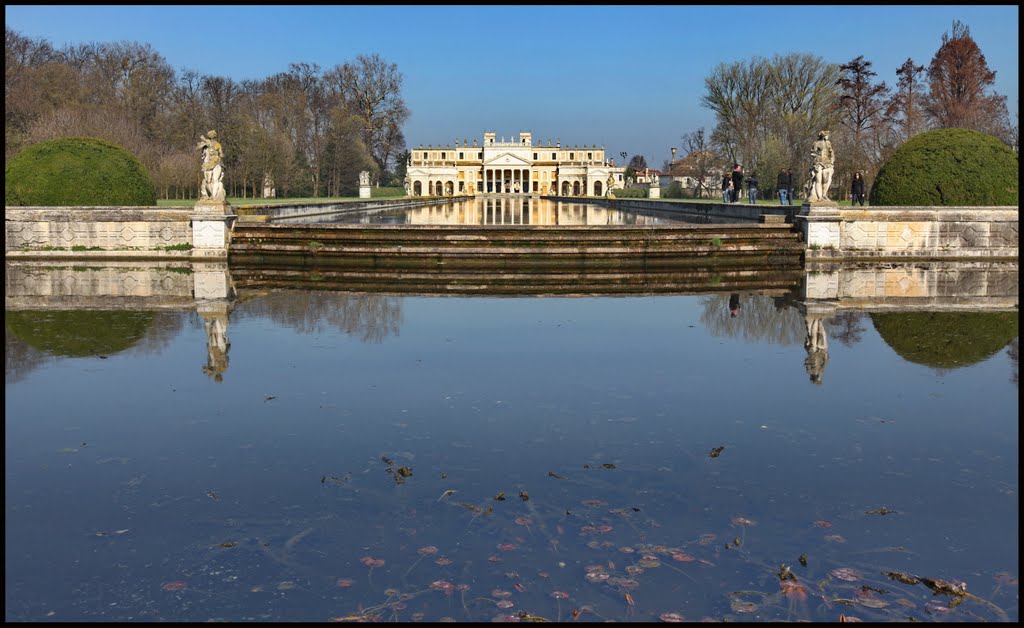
785 185
737 181
857 190
726 194
752 188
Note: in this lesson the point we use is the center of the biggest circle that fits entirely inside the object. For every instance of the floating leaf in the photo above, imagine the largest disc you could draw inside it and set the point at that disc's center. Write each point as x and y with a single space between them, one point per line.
743 521
508 547
523 521
405 471
176 585
443 562
501 594
671 618
560 595
716 452
880 511
429 550
793 590
500 497
682 557
505 604
846 574
523 495
823 524
552 474
345 583
740 606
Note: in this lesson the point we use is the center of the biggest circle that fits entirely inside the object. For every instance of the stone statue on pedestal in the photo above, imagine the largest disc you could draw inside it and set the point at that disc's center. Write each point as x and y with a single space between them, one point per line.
212 187
822 167
364 177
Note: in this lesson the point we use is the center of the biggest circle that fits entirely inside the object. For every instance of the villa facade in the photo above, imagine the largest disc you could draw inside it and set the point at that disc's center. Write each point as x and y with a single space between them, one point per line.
514 167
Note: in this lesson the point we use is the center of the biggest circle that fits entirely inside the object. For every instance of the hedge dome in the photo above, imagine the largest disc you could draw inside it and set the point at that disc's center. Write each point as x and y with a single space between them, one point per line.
79 333
946 340
948 167
77 171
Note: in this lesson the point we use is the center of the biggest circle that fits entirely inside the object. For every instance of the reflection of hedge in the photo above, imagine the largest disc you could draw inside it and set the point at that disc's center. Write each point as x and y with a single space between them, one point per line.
946 339
77 171
79 333
948 167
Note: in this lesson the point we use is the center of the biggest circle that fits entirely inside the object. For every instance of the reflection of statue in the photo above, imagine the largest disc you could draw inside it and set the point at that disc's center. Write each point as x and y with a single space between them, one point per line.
217 344
212 187
816 344
822 167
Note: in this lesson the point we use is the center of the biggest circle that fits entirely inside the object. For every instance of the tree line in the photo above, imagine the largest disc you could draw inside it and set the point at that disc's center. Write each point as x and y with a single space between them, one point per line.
306 132
769 111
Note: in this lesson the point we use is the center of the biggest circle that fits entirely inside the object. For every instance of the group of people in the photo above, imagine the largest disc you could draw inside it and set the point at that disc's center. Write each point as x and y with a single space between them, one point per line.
732 185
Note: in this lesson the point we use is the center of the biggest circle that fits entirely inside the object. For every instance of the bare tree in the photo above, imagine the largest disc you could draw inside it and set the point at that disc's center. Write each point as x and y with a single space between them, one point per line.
371 88
907 102
700 161
866 129
959 82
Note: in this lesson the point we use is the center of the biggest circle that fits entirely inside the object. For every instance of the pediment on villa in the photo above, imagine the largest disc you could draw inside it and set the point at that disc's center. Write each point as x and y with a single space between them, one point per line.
508 159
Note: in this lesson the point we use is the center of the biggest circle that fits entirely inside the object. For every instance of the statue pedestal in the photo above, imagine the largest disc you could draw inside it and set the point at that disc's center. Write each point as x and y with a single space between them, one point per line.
819 223
364 191
654 192
211 228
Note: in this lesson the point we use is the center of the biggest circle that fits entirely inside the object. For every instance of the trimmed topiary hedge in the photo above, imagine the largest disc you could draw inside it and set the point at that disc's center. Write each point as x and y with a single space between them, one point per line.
79 333
77 171
949 167
946 340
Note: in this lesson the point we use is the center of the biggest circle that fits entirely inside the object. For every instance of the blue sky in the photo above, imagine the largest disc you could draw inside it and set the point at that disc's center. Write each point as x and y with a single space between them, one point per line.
629 78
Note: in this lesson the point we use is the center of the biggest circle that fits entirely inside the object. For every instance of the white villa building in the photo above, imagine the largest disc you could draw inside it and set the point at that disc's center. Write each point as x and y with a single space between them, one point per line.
513 167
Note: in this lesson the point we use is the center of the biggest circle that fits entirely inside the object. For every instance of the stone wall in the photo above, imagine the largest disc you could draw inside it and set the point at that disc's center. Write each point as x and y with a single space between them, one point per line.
116 232
844 233
128 231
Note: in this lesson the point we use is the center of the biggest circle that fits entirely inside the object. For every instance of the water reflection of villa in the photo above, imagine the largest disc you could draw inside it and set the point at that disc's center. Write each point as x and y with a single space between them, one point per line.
523 210
513 167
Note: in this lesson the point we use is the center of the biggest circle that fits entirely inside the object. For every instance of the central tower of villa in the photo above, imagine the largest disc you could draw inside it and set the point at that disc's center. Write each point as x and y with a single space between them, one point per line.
515 167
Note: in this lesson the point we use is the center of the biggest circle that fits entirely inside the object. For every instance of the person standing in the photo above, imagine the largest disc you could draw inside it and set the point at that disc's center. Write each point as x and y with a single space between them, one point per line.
726 187
752 188
784 182
737 181
857 190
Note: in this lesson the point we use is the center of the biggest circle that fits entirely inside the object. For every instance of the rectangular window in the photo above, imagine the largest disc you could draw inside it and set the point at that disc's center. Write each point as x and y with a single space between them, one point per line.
554 157
535 156
442 155
460 156
590 156
572 156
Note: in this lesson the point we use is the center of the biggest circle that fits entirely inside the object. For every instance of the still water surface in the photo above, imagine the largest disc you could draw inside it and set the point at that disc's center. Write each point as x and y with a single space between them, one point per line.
495 211
379 457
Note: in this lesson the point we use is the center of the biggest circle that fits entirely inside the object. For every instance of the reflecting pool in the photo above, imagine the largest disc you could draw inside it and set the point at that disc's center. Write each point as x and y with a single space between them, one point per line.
488 210
718 452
